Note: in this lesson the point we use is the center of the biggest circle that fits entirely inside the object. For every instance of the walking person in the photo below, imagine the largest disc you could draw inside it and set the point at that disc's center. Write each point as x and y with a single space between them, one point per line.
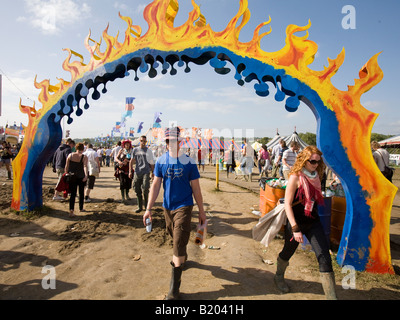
230 160
289 158
113 156
125 181
275 157
59 161
201 155
6 156
100 152
77 167
283 149
108 155
263 160
381 157
180 179
303 194
247 161
142 158
93 169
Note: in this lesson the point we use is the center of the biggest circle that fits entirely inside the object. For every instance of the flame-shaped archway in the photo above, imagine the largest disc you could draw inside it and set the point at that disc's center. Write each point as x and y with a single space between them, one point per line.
340 116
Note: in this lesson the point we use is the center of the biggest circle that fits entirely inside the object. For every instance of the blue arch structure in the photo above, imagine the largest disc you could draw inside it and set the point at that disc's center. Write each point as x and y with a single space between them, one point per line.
44 127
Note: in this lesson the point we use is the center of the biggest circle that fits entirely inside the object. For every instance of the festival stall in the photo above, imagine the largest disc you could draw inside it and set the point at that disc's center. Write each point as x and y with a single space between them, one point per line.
393 142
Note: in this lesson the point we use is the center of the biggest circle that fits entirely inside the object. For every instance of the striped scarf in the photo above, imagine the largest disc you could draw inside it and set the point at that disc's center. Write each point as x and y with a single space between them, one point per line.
309 191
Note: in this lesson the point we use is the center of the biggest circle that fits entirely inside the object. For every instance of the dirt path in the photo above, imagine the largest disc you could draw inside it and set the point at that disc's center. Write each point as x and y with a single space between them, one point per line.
105 253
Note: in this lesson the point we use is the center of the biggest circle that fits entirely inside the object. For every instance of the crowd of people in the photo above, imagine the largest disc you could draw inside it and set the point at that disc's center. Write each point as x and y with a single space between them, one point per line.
179 175
145 170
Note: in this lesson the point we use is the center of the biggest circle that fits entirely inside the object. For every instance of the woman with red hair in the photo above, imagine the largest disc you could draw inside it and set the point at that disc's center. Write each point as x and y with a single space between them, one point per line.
302 196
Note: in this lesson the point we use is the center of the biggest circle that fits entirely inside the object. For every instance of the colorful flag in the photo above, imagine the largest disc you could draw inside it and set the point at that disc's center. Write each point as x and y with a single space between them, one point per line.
132 132
140 127
157 120
128 109
129 104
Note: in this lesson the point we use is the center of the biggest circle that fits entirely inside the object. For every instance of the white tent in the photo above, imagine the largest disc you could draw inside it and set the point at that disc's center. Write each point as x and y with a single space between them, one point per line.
288 139
295 137
274 140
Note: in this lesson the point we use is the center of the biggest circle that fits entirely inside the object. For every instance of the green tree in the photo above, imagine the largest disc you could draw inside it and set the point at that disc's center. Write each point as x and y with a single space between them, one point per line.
264 140
309 138
379 137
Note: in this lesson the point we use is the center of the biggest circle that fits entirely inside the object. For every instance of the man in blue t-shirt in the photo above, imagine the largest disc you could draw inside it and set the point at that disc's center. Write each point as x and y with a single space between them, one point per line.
180 179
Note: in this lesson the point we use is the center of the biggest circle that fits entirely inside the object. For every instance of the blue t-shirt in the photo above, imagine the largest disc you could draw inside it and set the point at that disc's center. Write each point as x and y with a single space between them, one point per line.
177 174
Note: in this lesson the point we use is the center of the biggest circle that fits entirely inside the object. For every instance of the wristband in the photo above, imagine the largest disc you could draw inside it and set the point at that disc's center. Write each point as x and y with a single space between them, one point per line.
295 228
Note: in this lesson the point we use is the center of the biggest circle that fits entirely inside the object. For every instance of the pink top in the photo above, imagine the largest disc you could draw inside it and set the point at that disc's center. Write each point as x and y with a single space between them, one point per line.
264 154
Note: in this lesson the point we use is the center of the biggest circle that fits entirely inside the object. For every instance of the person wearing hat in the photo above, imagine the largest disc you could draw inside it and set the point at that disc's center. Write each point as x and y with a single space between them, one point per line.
122 173
179 177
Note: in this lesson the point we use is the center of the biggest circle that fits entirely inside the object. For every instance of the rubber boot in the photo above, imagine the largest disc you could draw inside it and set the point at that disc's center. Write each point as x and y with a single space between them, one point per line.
279 275
127 194
328 284
175 283
9 175
123 195
140 204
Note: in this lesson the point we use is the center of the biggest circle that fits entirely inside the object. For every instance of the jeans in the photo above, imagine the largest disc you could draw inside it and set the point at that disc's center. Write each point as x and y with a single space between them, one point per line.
75 185
316 236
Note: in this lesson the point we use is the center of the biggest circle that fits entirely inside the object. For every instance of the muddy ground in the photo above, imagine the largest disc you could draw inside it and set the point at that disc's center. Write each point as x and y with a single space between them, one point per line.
106 253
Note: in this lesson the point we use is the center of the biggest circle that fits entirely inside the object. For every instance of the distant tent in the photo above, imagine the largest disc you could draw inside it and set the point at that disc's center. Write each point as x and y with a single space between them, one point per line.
288 139
194 143
390 142
274 140
295 137
227 145
215 143
189 143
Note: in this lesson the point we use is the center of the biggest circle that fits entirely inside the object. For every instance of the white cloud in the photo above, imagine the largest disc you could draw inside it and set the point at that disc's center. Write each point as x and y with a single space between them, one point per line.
121 6
124 8
20 83
53 15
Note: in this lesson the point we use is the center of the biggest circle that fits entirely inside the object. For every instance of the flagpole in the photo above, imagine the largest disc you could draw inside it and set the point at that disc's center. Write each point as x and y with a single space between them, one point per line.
1 85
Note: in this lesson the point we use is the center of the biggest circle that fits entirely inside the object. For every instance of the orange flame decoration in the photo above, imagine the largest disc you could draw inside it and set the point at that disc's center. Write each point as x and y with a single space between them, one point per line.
355 122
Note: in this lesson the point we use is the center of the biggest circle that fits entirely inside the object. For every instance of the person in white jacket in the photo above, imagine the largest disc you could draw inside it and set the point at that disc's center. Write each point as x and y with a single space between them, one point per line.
94 170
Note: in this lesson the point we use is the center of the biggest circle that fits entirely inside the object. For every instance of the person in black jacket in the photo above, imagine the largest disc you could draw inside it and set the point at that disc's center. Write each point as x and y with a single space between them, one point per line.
59 161
6 156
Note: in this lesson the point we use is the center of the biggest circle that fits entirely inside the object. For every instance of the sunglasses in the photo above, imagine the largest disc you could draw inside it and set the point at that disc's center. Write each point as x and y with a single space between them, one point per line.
314 161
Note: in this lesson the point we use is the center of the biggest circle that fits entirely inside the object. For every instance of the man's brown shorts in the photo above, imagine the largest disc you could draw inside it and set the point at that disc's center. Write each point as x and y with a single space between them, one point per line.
178 226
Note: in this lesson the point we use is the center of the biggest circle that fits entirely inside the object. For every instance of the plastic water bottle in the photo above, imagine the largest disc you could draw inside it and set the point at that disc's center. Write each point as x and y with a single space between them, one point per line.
148 225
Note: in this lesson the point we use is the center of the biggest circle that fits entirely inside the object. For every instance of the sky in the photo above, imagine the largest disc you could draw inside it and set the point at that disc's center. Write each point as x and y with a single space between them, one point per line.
33 34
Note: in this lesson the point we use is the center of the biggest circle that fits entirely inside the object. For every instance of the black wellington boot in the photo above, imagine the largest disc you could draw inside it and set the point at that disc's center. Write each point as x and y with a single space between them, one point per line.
175 283
140 204
279 278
